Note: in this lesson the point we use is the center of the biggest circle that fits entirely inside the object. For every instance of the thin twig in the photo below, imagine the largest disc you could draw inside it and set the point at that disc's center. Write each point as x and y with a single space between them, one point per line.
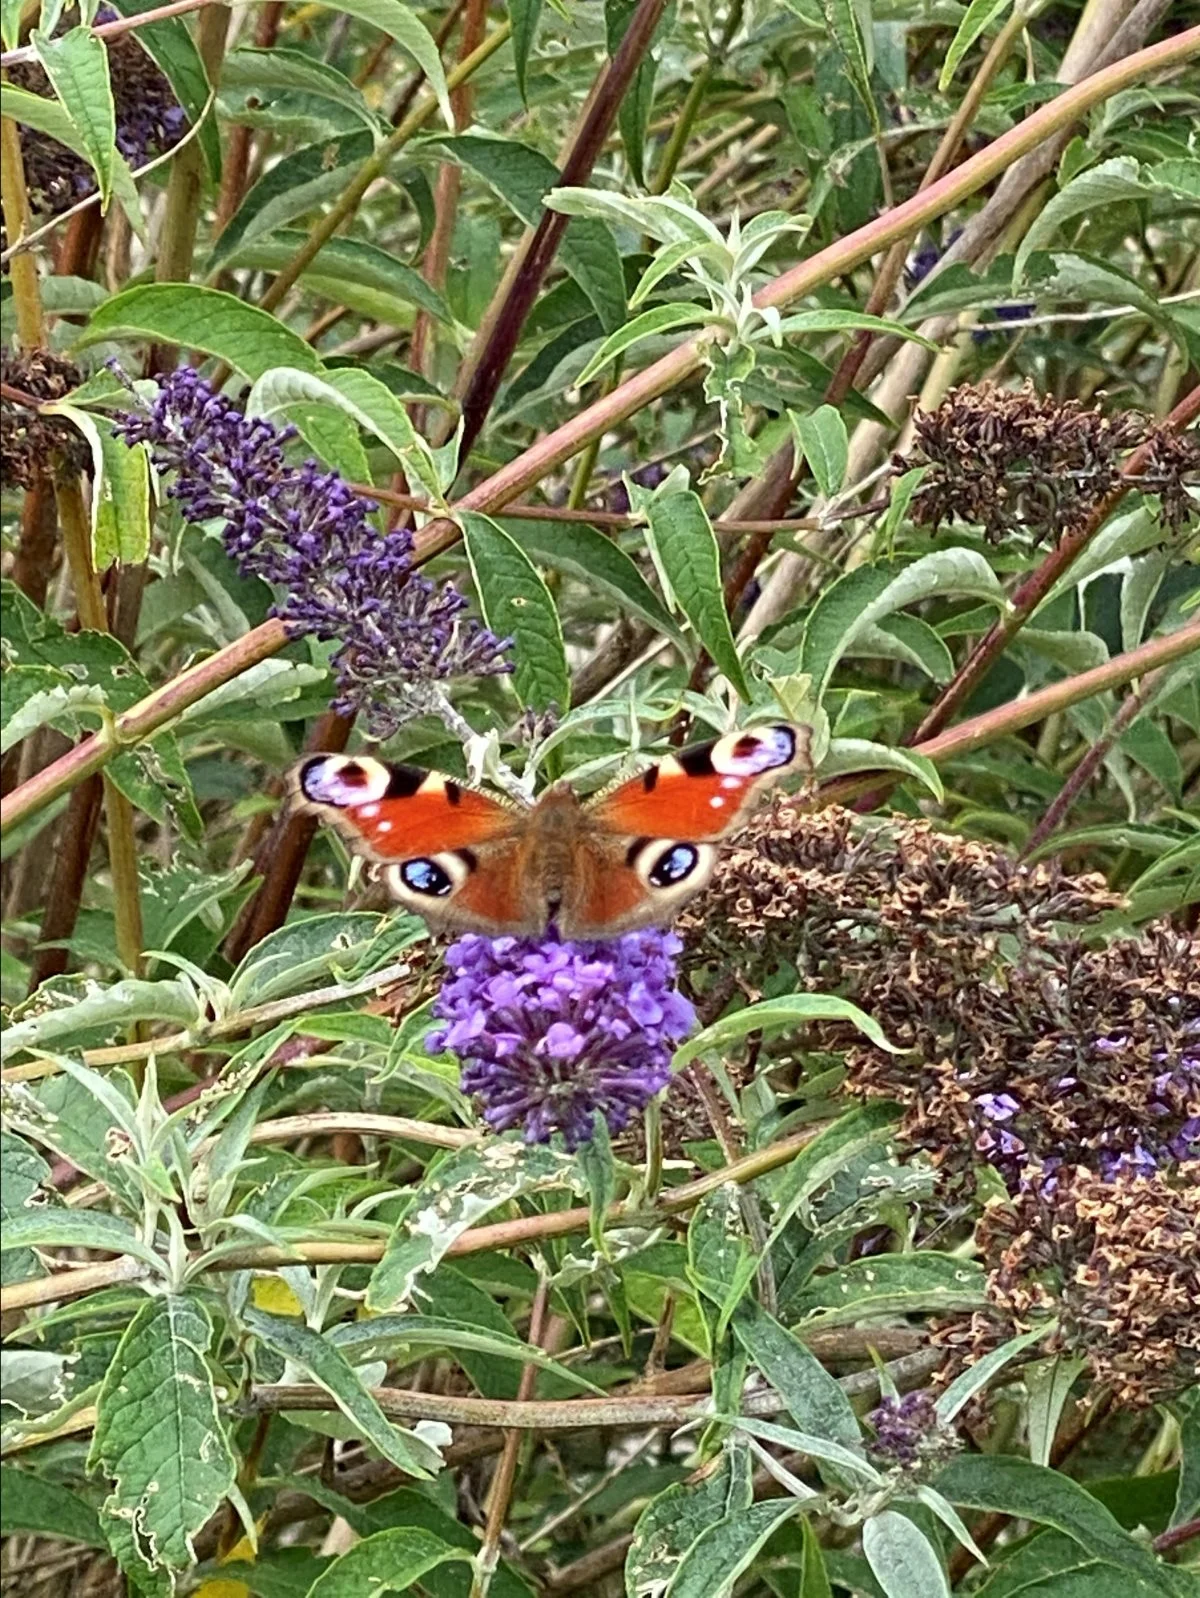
500 1497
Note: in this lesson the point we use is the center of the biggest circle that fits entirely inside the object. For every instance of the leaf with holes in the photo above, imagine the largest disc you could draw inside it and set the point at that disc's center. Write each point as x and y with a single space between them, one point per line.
159 1437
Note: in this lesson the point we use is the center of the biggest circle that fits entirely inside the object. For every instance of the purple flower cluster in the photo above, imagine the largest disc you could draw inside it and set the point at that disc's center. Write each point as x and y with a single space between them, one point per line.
907 1430
552 1031
307 531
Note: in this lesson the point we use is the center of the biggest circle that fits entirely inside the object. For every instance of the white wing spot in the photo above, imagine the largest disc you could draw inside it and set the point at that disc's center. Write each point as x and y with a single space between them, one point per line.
384 826
370 810
731 782
717 803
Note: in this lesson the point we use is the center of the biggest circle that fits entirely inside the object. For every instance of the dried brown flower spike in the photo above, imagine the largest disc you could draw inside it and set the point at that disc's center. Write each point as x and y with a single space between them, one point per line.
1117 1263
1016 461
30 440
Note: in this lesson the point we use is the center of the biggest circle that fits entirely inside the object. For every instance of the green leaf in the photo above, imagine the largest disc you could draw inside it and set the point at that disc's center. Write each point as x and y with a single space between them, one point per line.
904 1562
247 338
248 73
725 1551
1187 1495
125 1002
411 34
380 1336
22 1172
1009 1486
54 1226
582 552
294 186
1078 277
662 216
159 1437
847 322
822 440
889 1284
32 1504
524 15
976 1377
672 1523
814 1400
1107 183
367 401
64 1114
120 491
1048 1383
814 1578
851 1137
977 18
517 604
685 547
864 596
790 1011
296 956
342 265
44 115
1049 1565
721 1264
633 114
35 696
648 324
847 755
171 47
327 1365
390 1561
841 19
907 638
454 1196
524 178
76 64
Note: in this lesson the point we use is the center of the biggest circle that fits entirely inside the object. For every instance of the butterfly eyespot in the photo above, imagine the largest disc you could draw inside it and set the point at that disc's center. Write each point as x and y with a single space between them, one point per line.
674 865
426 877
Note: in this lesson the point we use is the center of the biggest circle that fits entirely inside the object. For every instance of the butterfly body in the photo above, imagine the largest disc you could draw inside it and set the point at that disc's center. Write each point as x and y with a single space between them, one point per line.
628 858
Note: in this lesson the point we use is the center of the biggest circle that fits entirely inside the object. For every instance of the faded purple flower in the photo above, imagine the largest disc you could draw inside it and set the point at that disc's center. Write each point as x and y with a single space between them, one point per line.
907 1430
550 1031
306 530
149 122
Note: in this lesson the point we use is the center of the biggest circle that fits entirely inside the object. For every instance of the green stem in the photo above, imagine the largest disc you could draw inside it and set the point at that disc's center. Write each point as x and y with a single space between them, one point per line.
374 167
682 131
27 298
185 187
93 615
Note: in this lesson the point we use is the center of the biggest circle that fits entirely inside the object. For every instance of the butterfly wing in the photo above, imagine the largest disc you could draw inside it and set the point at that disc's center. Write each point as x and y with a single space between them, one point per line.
451 853
650 843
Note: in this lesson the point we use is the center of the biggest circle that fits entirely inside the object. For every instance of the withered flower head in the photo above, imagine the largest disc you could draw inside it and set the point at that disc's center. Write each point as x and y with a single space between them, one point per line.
1025 1047
1016 461
1116 1263
31 440
150 121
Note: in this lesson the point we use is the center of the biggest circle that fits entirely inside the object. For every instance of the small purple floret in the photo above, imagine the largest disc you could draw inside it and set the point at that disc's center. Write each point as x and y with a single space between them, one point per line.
550 1032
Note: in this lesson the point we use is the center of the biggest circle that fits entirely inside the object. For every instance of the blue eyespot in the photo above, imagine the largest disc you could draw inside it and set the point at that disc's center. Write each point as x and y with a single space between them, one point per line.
674 865
427 877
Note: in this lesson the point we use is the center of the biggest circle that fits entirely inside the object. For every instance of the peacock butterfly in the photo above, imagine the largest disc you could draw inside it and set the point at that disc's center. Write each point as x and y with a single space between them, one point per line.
627 858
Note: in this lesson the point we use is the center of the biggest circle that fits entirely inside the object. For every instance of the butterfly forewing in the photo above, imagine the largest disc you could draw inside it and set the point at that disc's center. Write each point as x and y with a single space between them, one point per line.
703 793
